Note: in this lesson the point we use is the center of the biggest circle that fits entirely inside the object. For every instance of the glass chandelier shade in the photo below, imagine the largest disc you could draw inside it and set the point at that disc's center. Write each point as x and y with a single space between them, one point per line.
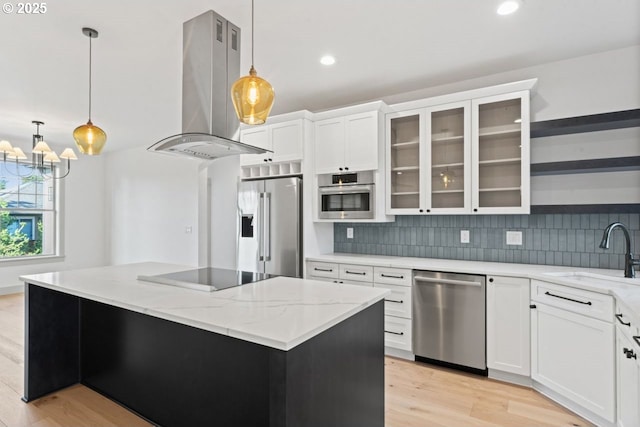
252 98
89 138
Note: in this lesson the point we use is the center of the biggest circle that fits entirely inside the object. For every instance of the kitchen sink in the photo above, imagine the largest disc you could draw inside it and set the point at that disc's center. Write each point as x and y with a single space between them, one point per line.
593 278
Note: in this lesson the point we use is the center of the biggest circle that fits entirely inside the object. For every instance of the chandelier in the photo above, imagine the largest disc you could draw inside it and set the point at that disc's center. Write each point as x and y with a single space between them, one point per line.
44 161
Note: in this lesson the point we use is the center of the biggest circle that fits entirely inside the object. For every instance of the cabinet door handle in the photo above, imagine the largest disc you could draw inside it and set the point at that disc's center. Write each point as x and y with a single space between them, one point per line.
637 339
619 317
568 299
359 273
327 270
394 333
391 276
630 353
395 300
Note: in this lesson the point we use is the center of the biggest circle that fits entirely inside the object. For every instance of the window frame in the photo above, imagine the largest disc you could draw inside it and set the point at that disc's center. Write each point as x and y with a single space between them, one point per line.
57 253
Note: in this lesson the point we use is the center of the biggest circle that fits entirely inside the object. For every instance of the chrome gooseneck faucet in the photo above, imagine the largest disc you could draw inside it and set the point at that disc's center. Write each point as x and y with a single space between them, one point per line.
629 261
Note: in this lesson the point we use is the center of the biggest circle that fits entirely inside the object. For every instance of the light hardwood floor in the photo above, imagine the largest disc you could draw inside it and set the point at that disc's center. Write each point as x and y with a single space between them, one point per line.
416 395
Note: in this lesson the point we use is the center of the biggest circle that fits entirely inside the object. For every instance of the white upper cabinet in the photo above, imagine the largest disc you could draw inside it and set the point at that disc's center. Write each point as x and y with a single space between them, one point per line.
347 144
467 156
500 154
283 136
361 141
449 157
405 167
329 144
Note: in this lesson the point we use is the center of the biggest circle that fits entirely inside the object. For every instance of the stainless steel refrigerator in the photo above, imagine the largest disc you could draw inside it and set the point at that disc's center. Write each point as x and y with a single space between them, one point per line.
270 226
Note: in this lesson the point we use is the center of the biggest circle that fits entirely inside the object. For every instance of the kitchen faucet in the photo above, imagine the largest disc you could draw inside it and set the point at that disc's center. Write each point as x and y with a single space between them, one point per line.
629 261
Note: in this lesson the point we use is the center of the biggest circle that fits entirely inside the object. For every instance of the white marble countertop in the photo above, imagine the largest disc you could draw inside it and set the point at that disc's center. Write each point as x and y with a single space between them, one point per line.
280 312
599 280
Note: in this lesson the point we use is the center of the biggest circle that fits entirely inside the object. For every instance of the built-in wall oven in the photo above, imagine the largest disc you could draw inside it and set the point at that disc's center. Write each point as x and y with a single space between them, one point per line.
346 196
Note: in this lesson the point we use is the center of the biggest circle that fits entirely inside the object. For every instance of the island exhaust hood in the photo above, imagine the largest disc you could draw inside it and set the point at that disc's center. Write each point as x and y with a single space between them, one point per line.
211 63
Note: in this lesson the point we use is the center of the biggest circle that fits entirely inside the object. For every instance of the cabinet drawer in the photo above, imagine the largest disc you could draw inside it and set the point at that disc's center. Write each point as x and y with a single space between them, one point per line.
358 273
392 276
592 304
399 302
397 333
323 269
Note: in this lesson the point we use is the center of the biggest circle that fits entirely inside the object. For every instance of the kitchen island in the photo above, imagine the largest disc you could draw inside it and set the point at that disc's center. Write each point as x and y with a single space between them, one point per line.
278 352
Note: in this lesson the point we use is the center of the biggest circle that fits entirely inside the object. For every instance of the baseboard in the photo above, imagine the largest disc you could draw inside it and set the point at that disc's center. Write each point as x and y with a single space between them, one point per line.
573 407
511 378
11 289
401 354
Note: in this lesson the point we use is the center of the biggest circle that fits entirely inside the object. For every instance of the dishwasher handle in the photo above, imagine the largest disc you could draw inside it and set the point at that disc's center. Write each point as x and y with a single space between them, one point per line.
433 280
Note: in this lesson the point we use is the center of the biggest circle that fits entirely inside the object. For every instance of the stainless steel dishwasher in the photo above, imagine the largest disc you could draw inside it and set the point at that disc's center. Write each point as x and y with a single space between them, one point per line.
449 323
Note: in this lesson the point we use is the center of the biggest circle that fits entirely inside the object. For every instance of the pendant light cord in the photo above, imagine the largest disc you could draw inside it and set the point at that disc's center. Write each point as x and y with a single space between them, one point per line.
252 33
90 37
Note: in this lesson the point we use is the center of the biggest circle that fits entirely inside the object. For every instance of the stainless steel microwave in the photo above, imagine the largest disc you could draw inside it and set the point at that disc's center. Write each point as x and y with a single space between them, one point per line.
346 196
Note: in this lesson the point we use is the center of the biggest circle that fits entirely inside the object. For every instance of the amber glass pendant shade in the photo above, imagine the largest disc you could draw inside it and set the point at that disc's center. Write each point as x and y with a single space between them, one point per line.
90 139
252 98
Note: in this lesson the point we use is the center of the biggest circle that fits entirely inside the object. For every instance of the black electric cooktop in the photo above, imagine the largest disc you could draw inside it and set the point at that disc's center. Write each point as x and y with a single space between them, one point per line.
207 279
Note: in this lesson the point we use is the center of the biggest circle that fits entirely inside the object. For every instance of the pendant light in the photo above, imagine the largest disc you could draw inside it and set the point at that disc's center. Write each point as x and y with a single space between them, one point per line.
252 96
89 138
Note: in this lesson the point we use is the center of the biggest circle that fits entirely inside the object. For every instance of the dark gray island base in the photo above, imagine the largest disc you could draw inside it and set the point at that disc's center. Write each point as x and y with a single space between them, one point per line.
177 375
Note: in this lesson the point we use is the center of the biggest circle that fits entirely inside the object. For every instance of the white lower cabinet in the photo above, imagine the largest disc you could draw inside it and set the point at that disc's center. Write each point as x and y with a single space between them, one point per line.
572 354
627 367
397 333
628 381
397 309
508 329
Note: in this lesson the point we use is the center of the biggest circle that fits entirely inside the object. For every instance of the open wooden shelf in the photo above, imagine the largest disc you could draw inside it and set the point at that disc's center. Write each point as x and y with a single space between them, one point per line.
613 164
589 123
586 209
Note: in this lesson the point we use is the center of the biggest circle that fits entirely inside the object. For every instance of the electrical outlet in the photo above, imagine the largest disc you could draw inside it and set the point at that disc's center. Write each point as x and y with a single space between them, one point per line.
349 233
464 236
514 238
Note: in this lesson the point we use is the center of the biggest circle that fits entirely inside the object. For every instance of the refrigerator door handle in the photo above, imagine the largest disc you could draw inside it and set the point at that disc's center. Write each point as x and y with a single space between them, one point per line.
267 227
261 227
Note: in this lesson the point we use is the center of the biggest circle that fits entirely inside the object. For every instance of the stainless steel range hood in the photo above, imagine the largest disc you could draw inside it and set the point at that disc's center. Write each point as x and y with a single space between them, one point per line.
211 63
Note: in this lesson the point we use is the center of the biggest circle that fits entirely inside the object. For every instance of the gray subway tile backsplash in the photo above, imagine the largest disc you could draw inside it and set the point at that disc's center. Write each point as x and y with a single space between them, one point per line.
552 239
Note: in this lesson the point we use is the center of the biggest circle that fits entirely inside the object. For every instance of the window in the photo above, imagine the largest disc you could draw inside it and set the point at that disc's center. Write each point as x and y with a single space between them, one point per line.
28 211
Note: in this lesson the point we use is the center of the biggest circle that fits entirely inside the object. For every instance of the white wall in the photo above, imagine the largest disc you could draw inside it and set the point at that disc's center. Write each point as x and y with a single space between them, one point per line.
83 226
599 83
151 199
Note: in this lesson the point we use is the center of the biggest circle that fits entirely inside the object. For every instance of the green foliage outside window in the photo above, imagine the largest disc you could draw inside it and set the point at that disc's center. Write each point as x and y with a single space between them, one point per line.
16 243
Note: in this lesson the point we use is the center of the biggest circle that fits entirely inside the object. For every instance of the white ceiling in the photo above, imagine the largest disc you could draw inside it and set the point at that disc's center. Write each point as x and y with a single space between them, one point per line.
383 47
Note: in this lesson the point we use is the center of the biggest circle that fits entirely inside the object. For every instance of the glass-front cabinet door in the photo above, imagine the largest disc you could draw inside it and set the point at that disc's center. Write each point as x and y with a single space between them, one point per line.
448 129
405 139
500 154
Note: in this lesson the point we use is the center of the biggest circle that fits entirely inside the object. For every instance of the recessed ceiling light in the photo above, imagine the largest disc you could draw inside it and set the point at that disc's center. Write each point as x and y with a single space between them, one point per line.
327 60
508 7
